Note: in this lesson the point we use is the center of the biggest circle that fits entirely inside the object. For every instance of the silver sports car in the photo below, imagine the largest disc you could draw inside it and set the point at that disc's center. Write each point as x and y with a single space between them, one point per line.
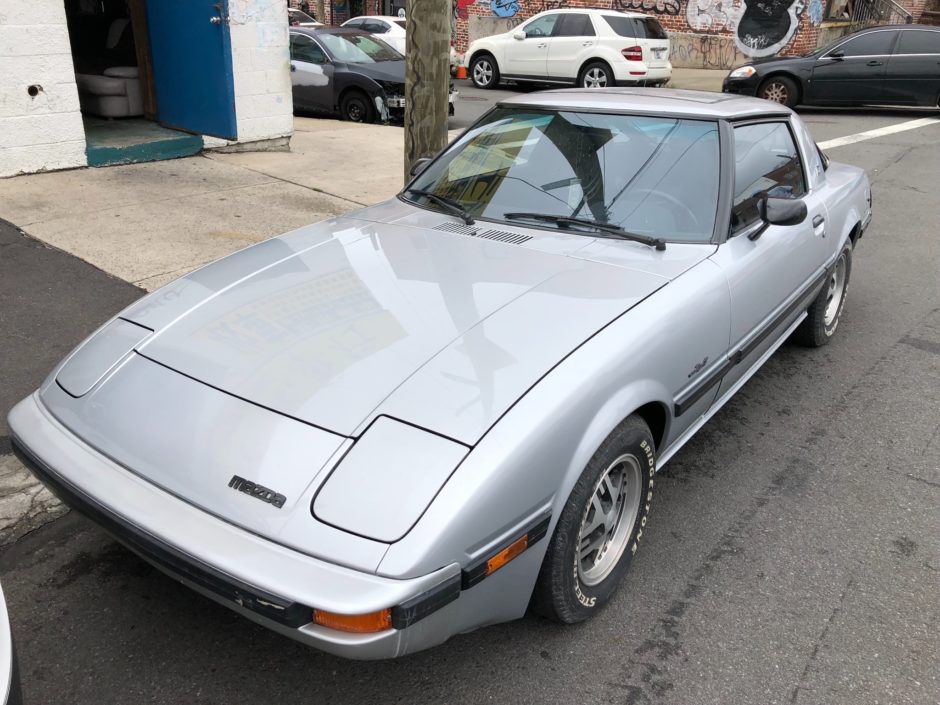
376 432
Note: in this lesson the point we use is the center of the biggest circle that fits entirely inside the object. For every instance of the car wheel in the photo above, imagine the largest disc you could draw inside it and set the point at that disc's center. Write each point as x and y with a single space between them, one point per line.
600 526
823 315
596 75
356 107
484 72
779 89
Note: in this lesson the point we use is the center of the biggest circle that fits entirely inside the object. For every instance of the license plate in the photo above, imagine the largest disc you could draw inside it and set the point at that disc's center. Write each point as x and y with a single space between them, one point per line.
658 52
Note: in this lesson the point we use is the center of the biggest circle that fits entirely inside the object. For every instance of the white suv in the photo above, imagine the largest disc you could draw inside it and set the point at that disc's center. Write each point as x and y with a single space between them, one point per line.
591 48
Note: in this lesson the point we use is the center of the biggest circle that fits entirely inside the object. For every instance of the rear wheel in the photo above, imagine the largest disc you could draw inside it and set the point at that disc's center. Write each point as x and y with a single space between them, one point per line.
356 107
779 89
484 72
600 526
596 75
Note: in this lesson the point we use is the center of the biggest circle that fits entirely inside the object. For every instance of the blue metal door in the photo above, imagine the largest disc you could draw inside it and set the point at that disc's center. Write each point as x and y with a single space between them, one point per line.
191 53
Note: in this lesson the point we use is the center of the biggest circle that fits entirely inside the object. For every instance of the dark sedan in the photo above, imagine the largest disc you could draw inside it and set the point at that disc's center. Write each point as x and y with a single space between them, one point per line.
889 65
349 73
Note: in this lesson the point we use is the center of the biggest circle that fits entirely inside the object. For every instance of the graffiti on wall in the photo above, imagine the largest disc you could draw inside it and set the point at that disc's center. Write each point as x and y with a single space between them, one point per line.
554 5
658 7
706 51
504 8
761 27
460 9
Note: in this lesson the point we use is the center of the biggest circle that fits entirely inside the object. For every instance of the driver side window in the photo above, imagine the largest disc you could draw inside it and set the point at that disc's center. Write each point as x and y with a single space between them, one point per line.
305 49
766 163
541 27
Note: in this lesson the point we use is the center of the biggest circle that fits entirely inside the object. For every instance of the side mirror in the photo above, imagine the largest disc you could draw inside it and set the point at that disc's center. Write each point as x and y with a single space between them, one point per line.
779 211
838 55
519 35
421 164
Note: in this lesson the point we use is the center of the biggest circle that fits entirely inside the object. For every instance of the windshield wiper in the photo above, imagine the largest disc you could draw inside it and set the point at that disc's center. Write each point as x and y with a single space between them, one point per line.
567 220
449 204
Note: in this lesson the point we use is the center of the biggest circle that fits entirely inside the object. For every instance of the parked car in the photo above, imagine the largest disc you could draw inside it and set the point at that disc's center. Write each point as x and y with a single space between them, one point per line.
350 73
393 32
392 29
589 48
889 65
10 693
411 420
298 18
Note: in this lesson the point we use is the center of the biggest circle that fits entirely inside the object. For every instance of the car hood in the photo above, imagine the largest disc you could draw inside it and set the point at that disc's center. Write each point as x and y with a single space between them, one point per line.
391 71
444 326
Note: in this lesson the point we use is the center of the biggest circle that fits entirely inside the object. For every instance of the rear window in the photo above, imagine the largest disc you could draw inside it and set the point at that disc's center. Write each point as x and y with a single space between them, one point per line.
641 28
918 41
650 29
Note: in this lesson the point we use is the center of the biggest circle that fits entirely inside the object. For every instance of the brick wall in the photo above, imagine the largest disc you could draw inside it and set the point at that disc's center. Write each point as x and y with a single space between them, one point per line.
40 123
338 12
710 33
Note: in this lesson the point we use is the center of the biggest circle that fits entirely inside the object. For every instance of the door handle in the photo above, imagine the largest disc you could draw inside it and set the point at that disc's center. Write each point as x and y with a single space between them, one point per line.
292 67
542 45
873 63
818 220
819 225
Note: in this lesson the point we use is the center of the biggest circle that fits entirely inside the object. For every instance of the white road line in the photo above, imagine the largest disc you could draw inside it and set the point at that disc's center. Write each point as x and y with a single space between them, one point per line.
879 132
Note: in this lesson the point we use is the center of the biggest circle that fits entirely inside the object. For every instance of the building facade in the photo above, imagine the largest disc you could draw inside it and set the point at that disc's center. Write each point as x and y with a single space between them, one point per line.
87 80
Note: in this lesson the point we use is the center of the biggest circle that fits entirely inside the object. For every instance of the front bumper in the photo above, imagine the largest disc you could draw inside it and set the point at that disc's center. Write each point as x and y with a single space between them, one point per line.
266 582
741 86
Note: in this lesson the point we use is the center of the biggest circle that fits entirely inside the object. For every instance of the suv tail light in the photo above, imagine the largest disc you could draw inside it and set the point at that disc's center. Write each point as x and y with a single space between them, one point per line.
633 54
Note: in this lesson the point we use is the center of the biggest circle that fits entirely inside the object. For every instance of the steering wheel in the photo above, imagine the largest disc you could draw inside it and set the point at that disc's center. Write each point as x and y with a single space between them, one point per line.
674 202
534 32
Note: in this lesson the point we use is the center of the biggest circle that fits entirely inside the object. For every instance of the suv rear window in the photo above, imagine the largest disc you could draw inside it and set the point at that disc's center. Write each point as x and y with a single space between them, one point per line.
641 28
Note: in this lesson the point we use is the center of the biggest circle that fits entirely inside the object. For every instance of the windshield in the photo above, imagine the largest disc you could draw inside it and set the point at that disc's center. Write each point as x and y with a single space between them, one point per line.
358 48
655 176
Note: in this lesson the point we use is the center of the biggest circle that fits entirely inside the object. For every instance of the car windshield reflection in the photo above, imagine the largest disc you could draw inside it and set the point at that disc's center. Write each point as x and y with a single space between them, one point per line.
358 48
651 175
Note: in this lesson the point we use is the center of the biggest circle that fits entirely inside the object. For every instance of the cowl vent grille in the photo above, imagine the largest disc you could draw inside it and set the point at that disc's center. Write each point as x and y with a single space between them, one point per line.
498 235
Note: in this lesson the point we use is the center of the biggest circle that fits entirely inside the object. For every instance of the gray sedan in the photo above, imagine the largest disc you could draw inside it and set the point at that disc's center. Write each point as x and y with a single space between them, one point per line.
417 419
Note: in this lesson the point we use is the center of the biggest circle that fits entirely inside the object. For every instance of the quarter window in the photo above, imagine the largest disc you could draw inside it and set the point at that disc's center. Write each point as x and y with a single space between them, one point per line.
766 163
649 28
918 41
873 44
575 24
542 26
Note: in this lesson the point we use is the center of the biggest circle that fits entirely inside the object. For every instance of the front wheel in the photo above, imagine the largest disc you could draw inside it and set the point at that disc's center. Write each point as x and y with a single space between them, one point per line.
822 317
356 107
596 75
484 72
600 526
779 89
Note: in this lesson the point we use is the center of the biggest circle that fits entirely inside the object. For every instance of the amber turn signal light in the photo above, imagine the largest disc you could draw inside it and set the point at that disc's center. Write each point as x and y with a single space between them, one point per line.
507 554
356 623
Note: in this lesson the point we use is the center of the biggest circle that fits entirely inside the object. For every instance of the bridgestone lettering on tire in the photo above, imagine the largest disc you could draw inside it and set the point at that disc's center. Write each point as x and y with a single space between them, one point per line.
601 526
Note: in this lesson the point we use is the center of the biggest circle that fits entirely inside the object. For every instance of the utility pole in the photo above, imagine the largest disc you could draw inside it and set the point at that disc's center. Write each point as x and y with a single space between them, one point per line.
427 78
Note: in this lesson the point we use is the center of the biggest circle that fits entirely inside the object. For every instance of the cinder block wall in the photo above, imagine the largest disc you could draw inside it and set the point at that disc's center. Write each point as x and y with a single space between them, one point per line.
261 70
43 131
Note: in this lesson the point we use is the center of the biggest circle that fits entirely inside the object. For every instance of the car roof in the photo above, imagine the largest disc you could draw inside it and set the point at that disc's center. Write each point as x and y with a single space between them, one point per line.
316 31
658 101
598 10
390 18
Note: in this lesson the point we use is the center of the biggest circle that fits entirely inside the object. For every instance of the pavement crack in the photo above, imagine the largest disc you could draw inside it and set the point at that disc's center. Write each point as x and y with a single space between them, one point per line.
911 476
820 640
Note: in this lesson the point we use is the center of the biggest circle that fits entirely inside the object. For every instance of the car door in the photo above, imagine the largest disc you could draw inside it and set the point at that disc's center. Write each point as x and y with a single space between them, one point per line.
854 71
913 74
571 44
311 75
527 52
771 269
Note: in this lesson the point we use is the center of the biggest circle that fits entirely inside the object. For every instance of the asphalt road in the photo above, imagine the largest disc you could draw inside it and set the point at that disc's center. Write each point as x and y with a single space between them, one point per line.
793 553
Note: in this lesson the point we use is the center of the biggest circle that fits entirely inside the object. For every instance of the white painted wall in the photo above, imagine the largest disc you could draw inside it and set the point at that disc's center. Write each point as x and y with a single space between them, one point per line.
43 132
261 69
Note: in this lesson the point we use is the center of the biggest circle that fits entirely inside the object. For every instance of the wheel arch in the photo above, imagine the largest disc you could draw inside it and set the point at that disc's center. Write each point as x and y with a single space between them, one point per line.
594 60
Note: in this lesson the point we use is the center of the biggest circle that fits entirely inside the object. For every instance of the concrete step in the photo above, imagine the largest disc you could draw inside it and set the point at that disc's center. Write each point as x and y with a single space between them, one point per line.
131 140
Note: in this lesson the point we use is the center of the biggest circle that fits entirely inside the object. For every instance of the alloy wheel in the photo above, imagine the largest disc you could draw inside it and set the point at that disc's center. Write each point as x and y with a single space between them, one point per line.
835 292
608 520
595 78
482 72
777 92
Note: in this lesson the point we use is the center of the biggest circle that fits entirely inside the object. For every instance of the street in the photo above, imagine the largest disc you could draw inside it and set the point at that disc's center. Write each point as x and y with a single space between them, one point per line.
792 554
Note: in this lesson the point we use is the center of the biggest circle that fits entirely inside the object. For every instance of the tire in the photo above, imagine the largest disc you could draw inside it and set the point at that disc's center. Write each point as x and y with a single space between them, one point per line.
484 71
823 315
597 74
579 575
780 89
355 106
